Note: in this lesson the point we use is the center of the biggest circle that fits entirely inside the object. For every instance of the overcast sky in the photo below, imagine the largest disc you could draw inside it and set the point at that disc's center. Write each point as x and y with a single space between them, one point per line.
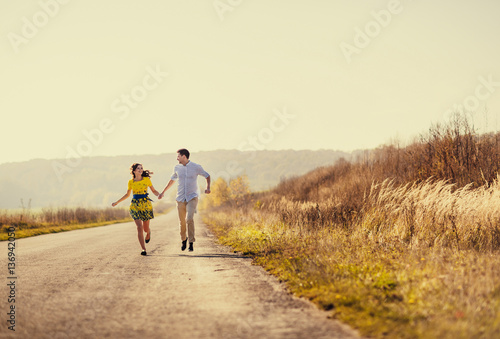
88 78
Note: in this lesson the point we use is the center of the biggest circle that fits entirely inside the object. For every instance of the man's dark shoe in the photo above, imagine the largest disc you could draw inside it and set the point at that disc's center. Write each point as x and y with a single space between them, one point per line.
184 245
191 249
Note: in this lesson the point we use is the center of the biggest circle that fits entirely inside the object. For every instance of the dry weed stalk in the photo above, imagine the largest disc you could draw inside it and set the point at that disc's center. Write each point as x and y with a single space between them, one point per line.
435 213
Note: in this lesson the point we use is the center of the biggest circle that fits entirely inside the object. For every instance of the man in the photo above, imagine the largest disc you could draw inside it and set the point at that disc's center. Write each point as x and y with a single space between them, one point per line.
187 193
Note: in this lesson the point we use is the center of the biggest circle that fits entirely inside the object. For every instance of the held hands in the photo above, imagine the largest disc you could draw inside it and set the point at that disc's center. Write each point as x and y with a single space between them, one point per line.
160 196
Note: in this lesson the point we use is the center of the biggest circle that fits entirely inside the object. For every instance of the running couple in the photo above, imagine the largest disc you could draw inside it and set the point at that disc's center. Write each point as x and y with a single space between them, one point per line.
141 209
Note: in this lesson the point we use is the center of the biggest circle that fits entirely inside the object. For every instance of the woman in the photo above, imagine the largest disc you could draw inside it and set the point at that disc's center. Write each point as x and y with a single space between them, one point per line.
141 209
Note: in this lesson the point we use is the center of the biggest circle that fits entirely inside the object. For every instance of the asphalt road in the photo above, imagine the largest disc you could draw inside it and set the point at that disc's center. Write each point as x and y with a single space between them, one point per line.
94 283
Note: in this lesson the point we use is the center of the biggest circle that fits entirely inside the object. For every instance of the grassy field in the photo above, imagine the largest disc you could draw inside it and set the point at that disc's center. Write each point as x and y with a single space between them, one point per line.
27 222
381 286
401 244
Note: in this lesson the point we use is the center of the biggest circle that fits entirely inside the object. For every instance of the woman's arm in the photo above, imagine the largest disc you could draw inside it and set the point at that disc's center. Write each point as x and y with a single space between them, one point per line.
121 199
170 183
155 192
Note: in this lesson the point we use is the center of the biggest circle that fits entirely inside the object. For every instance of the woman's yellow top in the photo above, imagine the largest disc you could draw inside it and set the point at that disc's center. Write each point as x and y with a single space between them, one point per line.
141 186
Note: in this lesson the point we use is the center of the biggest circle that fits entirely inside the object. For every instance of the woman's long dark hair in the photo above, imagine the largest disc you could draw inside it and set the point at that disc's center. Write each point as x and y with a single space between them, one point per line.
145 173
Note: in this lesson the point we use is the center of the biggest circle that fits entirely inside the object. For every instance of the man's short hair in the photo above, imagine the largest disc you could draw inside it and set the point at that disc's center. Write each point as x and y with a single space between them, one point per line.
184 151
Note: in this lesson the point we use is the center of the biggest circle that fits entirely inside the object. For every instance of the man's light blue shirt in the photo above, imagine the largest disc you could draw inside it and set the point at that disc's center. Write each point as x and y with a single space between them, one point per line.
187 188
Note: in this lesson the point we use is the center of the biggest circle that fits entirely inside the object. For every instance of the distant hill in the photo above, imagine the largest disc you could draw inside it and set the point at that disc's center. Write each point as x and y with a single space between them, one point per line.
98 181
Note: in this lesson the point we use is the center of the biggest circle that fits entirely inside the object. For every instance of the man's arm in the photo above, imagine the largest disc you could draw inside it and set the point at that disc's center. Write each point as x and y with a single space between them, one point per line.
205 174
207 191
170 183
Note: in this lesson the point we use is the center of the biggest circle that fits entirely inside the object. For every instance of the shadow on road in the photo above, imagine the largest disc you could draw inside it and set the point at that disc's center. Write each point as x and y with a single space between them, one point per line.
208 255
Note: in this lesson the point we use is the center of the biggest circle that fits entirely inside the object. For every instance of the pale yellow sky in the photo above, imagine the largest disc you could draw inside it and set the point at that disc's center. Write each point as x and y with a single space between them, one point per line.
89 78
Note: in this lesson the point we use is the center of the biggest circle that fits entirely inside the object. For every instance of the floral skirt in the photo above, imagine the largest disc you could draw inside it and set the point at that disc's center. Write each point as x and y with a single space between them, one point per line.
141 209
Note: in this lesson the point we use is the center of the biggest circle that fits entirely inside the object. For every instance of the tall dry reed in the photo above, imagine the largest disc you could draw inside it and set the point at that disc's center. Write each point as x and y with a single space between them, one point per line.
435 213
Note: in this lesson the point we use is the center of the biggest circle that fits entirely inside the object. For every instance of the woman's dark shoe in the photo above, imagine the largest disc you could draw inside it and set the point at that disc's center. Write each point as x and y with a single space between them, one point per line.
191 247
148 238
144 252
183 245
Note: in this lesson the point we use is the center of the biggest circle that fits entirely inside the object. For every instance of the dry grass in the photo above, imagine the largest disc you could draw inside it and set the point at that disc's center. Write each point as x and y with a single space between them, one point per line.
28 223
385 286
435 214
404 243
